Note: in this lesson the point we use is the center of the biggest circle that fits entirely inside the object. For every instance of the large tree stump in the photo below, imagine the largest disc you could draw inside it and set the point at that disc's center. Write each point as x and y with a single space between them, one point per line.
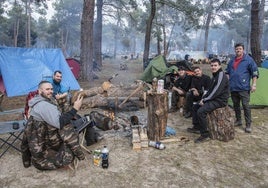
221 124
157 115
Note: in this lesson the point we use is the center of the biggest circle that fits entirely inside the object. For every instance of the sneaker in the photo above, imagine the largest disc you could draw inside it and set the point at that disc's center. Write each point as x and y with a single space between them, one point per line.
238 123
193 130
202 139
248 129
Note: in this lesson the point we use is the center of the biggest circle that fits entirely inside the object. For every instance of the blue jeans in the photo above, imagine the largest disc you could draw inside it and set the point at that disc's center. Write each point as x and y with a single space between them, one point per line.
237 97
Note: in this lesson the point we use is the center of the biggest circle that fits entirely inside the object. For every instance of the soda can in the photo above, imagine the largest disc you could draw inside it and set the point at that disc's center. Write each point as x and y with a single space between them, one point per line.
160 86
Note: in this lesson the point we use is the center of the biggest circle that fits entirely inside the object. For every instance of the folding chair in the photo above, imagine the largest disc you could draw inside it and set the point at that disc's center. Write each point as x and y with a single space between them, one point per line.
14 129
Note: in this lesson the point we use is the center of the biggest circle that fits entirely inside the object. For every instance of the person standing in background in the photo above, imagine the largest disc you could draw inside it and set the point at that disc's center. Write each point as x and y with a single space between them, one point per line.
241 70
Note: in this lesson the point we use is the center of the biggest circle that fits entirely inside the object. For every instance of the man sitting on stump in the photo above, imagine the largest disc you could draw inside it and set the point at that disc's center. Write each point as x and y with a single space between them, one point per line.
216 97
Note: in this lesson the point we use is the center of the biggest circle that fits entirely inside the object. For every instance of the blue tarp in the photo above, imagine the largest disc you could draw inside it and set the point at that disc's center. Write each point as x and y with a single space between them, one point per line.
23 68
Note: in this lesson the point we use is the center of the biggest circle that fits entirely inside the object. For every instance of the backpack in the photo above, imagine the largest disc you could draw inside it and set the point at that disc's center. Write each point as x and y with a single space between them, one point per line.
29 97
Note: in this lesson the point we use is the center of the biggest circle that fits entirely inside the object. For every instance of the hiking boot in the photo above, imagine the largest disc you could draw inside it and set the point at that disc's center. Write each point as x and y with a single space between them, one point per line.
188 115
248 129
202 138
193 130
238 123
26 159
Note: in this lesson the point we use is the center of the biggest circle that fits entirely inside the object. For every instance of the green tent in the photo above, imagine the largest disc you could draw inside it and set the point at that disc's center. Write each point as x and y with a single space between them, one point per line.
157 69
260 96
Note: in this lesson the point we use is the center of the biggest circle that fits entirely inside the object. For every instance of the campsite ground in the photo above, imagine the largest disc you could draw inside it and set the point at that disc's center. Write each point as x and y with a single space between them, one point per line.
241 162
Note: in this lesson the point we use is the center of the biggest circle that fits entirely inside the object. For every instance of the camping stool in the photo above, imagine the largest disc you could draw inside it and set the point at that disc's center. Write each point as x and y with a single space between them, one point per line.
14 129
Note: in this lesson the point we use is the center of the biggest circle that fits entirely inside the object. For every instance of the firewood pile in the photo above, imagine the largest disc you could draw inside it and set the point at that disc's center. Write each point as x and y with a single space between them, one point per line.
114 96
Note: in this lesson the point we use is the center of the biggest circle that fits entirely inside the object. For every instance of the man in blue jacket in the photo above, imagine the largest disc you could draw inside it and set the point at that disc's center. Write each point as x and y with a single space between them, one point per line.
240 70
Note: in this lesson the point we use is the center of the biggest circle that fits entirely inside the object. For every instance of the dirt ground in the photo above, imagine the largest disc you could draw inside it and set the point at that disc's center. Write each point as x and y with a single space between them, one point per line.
241 162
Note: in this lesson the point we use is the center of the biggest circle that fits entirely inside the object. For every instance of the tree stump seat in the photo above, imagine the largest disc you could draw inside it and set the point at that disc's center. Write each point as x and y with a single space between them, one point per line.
157 115
221 124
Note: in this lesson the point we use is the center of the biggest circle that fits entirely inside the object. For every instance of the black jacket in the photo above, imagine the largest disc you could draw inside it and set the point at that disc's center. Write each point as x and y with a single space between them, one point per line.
219 88
201 83
183 83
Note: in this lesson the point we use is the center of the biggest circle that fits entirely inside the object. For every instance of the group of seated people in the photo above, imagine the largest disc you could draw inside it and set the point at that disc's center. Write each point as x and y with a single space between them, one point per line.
51 135
187 89
195 96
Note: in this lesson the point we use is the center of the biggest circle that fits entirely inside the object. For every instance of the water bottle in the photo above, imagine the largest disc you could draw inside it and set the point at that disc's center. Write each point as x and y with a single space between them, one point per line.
157 145
105 157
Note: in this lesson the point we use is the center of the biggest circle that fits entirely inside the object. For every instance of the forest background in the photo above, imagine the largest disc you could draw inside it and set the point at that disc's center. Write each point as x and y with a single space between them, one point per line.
91 30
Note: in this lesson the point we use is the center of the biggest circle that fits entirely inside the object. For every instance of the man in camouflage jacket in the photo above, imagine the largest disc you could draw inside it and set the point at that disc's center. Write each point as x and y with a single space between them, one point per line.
49 140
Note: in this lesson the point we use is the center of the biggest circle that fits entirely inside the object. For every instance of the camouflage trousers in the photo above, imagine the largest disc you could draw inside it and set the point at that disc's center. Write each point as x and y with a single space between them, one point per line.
48 148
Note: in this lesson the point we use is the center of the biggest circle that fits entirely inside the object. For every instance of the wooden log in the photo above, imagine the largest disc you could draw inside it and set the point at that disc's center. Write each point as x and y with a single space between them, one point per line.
102 122
221 124
157 115
87 93
112 91
132 94
144 138
136 142
110 102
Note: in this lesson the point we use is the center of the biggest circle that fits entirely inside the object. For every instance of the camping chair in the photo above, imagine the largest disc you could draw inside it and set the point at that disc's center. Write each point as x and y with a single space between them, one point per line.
14 130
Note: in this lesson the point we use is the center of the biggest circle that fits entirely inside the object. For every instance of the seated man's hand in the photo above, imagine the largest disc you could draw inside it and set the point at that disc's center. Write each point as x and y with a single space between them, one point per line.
78 103
195 92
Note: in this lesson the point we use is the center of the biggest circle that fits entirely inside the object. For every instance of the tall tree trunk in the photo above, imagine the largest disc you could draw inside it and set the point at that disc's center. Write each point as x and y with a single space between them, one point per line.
165 48
261 18
169 40
16 31
255 31
116 34
63 42
28 23
148 33
207 24
98 34
158 40
164 39
87 40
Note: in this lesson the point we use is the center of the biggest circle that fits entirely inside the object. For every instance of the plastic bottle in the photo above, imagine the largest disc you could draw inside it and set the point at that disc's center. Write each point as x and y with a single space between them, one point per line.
157 145
105 157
